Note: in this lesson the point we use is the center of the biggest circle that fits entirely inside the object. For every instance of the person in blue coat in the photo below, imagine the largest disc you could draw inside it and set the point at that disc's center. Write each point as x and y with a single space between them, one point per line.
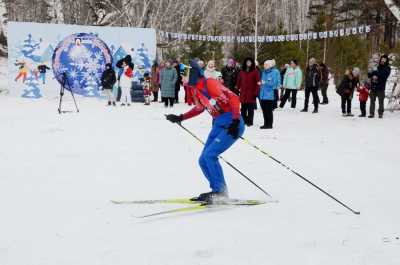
270 83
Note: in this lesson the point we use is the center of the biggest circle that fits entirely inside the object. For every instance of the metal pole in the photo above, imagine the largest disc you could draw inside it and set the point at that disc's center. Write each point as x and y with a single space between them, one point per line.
256 34
308 50
300 176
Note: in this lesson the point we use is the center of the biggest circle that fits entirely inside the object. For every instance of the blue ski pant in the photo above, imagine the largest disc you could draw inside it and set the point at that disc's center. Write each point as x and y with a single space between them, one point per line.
43 77
218 141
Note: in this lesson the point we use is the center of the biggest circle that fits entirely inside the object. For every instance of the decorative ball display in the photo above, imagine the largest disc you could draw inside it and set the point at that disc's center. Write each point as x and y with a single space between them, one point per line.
79 61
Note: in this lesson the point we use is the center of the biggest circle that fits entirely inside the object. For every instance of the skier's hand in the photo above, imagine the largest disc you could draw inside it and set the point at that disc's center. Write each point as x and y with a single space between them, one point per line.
174 118
233 129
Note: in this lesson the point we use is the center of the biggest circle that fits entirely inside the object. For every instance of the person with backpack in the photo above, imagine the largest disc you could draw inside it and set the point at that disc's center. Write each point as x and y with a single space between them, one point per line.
108 80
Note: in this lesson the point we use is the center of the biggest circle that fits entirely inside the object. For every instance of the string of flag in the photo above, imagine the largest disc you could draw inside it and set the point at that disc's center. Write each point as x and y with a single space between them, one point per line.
345 32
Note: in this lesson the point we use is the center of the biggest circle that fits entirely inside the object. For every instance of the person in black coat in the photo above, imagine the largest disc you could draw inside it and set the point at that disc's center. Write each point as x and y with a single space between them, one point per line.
178 81
346 89
313 78
379 78
229 76
108 80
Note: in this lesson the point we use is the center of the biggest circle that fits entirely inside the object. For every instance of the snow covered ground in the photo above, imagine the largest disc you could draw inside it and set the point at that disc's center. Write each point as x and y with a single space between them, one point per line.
58 174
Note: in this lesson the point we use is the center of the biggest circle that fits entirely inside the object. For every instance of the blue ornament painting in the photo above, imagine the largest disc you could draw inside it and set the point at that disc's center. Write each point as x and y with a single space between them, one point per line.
82 57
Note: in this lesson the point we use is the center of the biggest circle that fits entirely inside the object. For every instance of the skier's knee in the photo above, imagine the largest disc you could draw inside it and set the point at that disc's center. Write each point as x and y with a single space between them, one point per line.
202 160
207 157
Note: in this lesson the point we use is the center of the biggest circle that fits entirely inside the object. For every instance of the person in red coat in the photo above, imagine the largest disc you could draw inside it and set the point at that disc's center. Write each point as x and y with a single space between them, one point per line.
363 94
248 84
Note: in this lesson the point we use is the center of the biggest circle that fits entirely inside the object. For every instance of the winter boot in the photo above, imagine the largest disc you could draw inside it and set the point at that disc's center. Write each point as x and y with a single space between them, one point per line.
210 197
113 103
109 103
304 110
371 116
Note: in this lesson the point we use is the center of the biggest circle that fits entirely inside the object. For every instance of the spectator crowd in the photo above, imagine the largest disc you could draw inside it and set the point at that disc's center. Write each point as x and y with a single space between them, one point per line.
266 86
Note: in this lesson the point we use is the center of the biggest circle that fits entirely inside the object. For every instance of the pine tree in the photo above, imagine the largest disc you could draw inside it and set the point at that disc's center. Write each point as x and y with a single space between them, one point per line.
144 57
29 46
205 50
118 55
31 89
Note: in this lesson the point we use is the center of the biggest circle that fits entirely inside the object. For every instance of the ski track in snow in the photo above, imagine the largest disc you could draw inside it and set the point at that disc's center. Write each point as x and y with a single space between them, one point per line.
58 174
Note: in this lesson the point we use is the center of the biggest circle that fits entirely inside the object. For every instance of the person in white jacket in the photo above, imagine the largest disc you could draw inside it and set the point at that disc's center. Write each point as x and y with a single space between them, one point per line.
125 83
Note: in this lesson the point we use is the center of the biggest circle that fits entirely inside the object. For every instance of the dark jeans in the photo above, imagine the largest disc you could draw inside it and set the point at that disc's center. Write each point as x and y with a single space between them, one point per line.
247 112
363 108
170 100
287 95
346 104
380 94
155 95
314 92
267 107
324 90
176 95
276 95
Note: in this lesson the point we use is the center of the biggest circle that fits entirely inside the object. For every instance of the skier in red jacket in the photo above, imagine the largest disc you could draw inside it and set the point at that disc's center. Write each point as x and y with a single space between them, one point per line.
224 107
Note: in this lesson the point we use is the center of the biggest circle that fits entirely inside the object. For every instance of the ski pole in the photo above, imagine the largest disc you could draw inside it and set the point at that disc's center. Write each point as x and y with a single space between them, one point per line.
299 175
227 162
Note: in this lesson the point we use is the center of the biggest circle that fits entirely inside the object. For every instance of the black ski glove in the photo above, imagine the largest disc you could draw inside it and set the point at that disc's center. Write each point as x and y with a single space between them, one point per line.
233 129
174 118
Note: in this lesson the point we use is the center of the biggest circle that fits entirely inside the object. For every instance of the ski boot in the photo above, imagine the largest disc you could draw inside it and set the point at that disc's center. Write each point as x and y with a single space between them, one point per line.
211 197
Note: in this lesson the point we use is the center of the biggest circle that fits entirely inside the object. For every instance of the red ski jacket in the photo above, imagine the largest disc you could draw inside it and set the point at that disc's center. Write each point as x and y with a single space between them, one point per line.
212 96
363 93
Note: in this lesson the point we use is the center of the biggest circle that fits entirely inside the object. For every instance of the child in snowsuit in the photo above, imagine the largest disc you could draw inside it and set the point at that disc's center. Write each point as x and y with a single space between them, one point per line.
42 68
224 106
363 94
22 72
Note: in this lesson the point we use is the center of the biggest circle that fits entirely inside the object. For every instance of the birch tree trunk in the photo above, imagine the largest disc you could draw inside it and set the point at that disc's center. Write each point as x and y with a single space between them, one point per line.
395 9
3 28
55 11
